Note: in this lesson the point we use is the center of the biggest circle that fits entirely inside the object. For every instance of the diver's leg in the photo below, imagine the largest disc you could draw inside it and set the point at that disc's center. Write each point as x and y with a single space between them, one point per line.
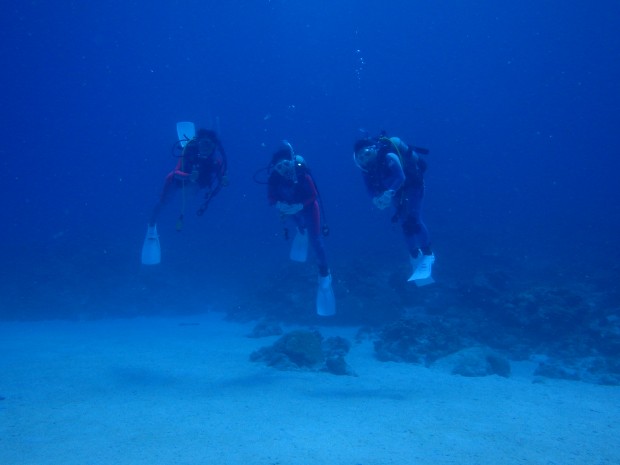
312 220
166 192
417 238
415 231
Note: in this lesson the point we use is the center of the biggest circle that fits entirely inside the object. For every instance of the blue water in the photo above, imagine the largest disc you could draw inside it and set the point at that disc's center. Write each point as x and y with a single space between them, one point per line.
517 101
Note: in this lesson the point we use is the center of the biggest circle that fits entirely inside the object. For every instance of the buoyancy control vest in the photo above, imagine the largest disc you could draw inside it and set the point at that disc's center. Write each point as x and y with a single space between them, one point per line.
413 166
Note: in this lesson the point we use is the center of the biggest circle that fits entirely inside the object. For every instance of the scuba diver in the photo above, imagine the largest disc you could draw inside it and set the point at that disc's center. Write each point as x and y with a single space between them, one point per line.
292 190
393 173
202 165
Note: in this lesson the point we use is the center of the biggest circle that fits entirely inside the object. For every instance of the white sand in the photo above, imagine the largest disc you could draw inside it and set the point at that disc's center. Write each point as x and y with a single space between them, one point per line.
156 391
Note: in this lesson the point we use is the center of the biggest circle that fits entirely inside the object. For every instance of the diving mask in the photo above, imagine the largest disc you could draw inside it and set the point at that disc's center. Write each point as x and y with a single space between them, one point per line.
286 169
365 156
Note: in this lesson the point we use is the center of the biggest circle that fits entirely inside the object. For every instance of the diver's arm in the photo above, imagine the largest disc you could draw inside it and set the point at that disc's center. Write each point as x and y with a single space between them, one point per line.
309 191
396 176
179 173
404 148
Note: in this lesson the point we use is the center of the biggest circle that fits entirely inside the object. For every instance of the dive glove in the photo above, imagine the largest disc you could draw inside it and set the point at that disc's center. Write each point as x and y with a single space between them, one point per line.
288 208
384 200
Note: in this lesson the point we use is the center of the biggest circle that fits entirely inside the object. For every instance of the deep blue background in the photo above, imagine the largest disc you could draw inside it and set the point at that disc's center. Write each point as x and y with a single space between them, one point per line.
517 101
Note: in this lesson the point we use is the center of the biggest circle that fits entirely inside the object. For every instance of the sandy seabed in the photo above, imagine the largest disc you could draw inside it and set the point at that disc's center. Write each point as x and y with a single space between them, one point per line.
183 391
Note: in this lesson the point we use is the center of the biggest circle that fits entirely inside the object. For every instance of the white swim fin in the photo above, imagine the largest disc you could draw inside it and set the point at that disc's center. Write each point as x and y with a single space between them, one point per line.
325 300
151 251
185 132
299 249
422 269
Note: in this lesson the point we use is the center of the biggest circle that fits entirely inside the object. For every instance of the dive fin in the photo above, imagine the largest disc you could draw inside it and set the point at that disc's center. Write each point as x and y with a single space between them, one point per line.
325 300
185 132
299 249
422 269
151 251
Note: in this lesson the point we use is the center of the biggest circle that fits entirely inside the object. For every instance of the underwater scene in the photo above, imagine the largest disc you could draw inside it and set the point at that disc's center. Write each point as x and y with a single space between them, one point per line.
286 232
